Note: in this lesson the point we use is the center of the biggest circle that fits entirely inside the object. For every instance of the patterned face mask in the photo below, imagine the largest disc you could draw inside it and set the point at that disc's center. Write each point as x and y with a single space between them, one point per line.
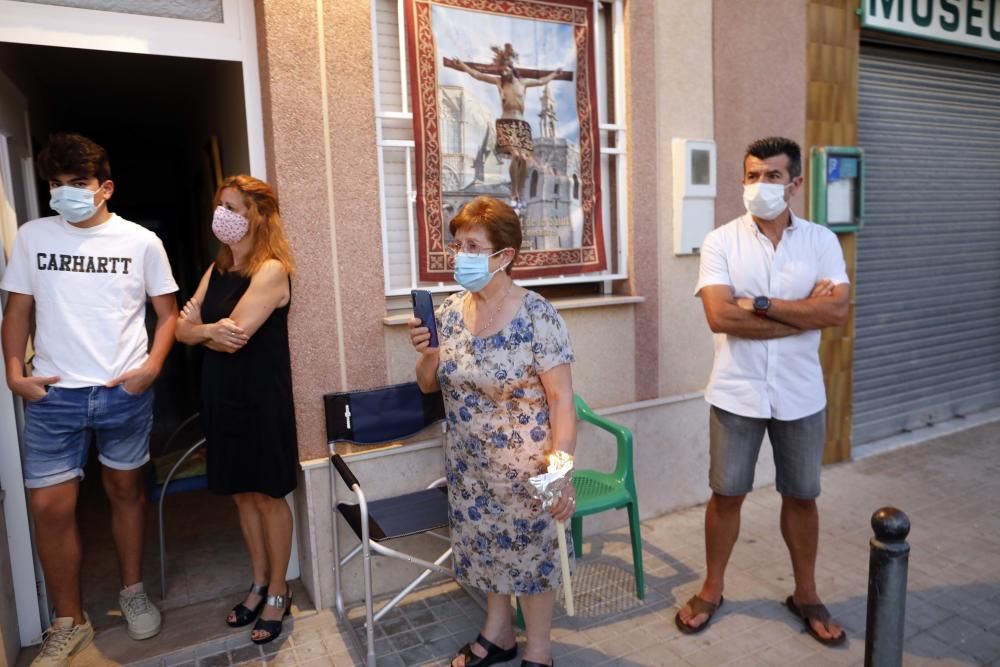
229 226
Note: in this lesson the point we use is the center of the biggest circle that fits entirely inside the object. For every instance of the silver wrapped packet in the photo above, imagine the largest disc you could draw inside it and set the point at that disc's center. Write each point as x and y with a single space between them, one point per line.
549 486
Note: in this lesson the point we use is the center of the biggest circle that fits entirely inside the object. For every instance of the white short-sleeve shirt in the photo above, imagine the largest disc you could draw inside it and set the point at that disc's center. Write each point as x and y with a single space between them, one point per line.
90 288
781 377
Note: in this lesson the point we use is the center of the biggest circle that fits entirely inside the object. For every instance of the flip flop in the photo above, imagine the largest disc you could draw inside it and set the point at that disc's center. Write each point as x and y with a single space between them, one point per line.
816 612
698 606
494 653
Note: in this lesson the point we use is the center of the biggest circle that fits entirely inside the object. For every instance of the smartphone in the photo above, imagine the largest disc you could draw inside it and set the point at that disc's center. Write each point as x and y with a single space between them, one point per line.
423 310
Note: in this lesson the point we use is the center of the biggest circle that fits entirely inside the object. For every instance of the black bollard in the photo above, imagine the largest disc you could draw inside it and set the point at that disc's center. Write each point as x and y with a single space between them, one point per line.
887 567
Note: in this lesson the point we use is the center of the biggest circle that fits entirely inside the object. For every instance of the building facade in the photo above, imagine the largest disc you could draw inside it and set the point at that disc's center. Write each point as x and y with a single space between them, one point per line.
318 87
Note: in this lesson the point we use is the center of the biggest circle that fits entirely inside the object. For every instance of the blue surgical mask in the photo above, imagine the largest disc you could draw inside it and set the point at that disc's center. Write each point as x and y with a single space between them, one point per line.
74 204
473 271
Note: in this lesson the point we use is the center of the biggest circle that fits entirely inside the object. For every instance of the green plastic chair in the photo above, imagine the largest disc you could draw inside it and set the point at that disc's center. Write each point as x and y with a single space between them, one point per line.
598 491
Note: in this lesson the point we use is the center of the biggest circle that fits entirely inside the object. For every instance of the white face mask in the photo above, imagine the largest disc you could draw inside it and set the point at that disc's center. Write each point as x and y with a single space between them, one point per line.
74 204
765 200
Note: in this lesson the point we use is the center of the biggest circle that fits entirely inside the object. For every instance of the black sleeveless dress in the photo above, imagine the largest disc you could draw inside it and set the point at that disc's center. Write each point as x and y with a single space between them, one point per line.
246 399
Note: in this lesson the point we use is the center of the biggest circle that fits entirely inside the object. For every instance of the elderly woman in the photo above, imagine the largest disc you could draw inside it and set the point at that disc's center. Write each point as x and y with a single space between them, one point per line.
240 313
503 363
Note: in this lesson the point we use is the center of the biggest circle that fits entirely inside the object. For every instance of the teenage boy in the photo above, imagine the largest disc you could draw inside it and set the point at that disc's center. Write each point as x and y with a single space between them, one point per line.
86 274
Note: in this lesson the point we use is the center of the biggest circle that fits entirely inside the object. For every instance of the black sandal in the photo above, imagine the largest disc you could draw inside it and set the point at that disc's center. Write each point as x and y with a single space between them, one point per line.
245 615
273 628
816 612
698 606
494 653
531 663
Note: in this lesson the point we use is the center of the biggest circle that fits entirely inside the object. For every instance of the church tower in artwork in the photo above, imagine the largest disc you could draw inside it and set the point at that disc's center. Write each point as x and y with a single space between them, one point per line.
547 116
553 187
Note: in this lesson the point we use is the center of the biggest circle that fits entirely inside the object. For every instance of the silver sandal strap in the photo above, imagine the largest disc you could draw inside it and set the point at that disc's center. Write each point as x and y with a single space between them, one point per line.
258 590
278 601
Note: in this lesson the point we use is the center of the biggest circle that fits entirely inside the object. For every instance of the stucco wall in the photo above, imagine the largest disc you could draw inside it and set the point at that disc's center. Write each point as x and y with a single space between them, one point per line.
318 91
325 170
648 274
760 86
684 110
603 341
644 363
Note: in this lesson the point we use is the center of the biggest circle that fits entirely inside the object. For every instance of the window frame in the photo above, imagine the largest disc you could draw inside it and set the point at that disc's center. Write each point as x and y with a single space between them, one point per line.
613 142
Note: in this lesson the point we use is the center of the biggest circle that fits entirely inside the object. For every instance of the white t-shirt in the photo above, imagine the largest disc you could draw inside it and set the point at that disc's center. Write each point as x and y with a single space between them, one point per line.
89 287
781 377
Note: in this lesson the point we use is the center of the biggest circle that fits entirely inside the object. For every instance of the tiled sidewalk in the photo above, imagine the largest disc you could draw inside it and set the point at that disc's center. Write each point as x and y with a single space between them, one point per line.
949 487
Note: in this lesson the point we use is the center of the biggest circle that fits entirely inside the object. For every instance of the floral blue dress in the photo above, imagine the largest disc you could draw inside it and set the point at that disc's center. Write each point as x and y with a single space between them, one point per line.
498 437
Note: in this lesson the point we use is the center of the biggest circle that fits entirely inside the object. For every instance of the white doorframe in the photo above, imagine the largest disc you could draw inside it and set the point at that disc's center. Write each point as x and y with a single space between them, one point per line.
15 506
235 39
251 92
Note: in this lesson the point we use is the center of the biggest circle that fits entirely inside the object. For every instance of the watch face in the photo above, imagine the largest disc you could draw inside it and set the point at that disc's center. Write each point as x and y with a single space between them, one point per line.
761 303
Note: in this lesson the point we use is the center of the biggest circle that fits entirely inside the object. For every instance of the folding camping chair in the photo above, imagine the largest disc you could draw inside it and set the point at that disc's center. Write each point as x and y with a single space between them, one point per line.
379 416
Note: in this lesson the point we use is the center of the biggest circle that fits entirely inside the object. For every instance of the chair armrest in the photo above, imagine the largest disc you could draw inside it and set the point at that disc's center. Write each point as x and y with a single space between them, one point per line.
165 485
623 436
585 413
345 473
177 431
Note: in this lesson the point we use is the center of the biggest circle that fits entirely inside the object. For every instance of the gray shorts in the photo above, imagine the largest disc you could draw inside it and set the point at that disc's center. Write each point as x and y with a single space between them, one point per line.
735 443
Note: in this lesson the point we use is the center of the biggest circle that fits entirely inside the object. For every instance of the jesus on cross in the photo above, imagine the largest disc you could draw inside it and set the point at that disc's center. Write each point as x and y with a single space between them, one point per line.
513 132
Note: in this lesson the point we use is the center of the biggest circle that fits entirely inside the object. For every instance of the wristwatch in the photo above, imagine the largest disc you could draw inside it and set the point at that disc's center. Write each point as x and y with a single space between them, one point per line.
760 305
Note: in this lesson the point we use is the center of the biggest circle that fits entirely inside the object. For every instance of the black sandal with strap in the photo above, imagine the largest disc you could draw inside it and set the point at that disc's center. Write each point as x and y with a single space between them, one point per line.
273 628
244 615
816 612
494 653
698 606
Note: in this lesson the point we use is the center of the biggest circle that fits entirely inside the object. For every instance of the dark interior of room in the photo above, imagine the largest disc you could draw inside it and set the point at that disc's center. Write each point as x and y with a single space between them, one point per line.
157 117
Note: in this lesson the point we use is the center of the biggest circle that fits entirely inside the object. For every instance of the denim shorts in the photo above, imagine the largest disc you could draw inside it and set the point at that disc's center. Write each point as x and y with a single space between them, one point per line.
735 443
58 428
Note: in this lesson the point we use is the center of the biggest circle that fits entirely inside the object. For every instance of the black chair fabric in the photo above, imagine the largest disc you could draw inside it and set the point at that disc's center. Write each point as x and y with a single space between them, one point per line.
399 516
385 414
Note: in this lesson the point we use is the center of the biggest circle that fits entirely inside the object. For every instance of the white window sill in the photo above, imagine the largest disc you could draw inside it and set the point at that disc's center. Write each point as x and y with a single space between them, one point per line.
401 317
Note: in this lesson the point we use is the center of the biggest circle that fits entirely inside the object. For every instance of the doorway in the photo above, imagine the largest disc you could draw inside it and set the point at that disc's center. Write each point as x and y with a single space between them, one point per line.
171 125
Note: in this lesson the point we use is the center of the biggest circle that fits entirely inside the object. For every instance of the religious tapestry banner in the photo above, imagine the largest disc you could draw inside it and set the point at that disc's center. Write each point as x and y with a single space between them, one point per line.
505 105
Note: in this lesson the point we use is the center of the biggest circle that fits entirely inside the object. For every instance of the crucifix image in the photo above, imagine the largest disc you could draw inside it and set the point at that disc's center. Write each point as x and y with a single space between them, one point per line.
514 136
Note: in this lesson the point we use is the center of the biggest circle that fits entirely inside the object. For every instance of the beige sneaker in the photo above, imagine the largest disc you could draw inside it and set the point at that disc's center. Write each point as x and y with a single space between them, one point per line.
142 616
62 641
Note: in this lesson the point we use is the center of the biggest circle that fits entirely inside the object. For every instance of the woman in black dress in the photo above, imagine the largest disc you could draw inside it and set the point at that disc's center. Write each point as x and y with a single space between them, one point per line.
240 313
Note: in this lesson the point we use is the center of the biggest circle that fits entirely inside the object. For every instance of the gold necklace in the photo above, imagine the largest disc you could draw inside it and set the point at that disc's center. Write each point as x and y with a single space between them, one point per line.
495 310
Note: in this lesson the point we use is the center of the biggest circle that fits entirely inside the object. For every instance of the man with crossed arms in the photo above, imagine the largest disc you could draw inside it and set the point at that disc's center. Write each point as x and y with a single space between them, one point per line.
769 281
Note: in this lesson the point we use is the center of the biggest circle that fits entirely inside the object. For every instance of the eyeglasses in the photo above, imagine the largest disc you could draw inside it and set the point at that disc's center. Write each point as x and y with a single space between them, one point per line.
471 247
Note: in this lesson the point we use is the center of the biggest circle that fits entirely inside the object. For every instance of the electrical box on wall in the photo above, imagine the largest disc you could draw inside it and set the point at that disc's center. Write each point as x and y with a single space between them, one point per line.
837 180
694 193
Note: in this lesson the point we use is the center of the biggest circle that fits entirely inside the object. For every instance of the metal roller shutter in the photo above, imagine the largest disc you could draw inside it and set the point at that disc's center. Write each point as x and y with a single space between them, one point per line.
928 268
